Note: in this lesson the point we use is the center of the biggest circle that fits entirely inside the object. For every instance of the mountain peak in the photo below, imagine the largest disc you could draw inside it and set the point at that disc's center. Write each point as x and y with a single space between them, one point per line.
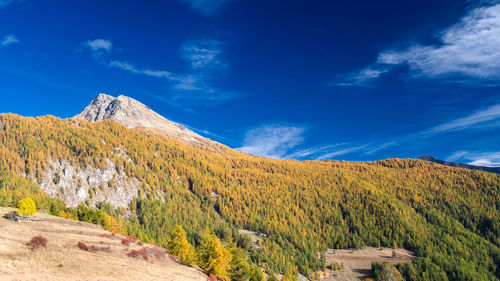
132 113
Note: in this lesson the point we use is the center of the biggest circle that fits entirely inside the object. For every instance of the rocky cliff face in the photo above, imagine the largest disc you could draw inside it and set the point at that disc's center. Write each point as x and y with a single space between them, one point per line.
75 185
131 114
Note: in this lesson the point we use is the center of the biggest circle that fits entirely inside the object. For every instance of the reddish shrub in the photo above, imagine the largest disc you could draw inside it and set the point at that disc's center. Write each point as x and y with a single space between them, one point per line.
126 241
91 248
148 253
37 242
131 239
212 277
83 246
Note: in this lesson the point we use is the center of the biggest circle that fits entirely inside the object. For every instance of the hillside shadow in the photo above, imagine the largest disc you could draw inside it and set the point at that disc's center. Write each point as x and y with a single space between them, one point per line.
363 273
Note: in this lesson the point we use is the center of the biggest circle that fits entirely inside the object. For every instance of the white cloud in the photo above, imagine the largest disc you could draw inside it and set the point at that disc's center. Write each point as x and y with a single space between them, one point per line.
272 140
313 151
203 54
341 152
487 118
8 40
192 88
99 46
205 7
359 78
483 116
470 48
457 155
489 159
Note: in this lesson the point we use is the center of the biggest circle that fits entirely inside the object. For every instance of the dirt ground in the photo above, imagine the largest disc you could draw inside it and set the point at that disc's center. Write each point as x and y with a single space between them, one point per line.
357 263
63 260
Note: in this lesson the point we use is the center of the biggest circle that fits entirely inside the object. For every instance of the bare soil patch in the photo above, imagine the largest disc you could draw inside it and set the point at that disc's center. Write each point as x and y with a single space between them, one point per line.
358 263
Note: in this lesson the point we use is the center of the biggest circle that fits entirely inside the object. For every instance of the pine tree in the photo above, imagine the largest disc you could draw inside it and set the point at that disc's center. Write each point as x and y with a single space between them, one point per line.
213 257
179 246
240 268
256 273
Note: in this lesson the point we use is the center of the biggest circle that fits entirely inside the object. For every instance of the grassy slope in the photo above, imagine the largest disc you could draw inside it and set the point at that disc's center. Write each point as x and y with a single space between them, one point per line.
63 260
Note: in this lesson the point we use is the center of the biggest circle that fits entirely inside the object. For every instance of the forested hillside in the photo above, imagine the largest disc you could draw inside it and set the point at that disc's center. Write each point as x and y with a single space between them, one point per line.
449 216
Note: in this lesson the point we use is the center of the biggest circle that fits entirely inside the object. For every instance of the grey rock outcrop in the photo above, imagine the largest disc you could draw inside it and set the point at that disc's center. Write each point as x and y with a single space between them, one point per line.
75 185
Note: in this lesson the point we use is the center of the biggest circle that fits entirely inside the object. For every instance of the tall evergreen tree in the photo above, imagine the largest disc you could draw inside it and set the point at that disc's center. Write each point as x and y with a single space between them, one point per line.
240 268
179 246
213 257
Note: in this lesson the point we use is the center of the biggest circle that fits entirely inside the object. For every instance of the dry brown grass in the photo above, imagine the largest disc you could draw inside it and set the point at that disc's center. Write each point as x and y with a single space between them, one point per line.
63 260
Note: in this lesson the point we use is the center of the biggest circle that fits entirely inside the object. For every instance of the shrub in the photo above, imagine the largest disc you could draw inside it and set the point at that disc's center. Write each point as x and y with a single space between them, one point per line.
83 246
129 240
37 242
26 207
91 248
148 253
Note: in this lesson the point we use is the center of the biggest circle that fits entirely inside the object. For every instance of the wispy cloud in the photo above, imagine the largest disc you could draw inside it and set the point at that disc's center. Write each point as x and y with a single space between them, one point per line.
272 140
194 87
99 47
489 159
358 78
456 155
205 7
470 48
8 40
485 119
312 151
184 81
342 151
479 117
203 54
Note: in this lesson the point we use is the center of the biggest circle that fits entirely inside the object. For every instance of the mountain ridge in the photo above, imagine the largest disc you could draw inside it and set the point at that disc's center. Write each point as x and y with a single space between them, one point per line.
430 158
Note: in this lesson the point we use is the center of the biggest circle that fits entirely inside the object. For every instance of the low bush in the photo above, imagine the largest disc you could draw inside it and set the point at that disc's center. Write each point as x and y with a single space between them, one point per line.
131 239
148 253
91 248
37 242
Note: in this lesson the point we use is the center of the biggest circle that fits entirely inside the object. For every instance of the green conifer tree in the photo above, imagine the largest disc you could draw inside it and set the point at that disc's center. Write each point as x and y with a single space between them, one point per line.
179 246
240 268
213 257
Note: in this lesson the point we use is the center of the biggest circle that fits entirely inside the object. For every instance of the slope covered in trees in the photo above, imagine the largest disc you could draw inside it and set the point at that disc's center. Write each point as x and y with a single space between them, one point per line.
448 216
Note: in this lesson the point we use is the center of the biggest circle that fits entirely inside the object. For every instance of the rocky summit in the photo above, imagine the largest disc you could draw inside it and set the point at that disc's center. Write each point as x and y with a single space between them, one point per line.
132 113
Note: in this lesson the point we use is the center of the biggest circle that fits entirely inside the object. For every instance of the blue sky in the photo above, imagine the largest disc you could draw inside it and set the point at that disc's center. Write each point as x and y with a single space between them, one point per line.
348 80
